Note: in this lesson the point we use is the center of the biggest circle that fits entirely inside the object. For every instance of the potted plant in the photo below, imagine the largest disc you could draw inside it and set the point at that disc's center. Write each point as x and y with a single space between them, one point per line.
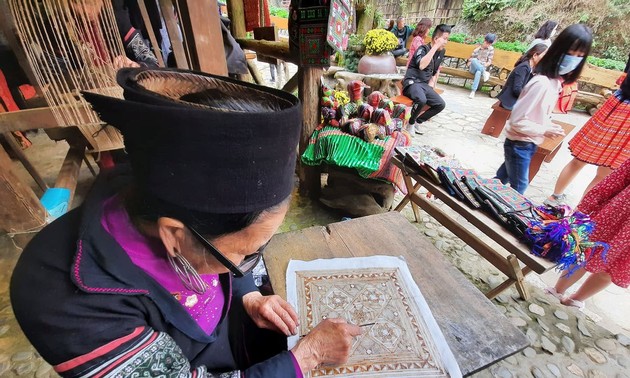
377 59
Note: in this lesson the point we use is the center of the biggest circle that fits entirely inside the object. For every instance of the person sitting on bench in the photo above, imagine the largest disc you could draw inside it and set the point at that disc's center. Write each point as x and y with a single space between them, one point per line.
421 78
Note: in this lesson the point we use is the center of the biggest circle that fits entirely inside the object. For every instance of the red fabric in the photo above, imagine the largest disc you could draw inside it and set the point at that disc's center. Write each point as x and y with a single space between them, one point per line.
567 98
7 104
605 139
252 13
608 204
28 91
5 95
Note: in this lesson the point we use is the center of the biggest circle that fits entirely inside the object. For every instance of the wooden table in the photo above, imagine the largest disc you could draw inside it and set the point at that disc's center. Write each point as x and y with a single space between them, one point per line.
477 332
517 251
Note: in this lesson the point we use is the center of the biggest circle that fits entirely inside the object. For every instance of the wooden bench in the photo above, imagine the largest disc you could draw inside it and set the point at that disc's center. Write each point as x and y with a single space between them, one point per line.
402 99
496 122
516 250
548 149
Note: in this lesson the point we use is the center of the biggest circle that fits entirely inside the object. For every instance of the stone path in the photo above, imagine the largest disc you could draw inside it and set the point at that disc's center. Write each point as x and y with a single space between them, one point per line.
565 342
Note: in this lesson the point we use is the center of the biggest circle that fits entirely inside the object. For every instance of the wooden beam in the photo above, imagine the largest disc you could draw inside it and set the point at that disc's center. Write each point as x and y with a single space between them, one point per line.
309 79
275 49
253 70
21 209
38 118
236 13
291 85
172 28
149 29
69 172
202 29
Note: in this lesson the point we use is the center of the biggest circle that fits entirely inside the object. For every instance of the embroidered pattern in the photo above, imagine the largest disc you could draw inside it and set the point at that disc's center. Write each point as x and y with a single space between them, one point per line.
141 51
398 341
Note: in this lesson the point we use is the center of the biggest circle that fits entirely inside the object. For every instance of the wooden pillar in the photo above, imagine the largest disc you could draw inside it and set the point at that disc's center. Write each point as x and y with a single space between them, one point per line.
309 81
201 25
173 30
236 13
21 209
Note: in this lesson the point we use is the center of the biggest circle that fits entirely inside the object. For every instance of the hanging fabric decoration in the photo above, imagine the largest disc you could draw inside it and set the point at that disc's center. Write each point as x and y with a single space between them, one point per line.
563 237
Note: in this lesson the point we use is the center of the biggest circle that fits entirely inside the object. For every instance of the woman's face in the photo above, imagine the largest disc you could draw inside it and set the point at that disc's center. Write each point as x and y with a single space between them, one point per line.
237 245
537 57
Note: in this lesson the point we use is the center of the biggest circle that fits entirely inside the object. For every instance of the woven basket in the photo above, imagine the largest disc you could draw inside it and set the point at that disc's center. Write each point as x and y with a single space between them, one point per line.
202 91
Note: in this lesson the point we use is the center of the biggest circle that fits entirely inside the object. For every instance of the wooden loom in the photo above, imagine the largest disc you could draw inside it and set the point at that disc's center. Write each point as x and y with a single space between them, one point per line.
89 44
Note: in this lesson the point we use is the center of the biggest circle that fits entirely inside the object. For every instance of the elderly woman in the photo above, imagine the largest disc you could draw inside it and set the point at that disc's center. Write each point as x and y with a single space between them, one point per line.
151 275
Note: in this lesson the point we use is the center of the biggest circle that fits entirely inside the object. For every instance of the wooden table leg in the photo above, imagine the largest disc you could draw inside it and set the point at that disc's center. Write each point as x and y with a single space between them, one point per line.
519 278
534 165
411 190
406 199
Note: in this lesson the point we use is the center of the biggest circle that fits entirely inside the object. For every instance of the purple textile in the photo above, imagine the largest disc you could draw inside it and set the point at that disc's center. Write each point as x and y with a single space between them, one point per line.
296 366
149 255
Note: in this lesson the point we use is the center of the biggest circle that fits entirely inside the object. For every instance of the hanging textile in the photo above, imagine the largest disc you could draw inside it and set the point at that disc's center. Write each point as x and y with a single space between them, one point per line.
256 14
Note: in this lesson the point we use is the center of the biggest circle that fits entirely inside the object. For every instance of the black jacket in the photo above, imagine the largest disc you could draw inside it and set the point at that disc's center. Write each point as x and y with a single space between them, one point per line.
75 292
423 75
514 85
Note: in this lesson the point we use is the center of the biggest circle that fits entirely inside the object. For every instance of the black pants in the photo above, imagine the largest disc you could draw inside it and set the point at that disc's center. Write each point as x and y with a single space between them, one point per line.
423 94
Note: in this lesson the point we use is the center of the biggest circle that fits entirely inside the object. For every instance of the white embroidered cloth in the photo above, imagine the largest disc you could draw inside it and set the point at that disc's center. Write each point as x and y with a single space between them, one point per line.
400 336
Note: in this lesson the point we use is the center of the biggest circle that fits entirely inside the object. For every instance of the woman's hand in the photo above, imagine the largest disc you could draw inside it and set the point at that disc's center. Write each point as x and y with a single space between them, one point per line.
329 343
554 131
271 312
122 62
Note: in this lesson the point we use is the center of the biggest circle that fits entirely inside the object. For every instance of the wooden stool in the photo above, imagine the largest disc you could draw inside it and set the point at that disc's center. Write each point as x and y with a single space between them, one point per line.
548 149
402 99
496 122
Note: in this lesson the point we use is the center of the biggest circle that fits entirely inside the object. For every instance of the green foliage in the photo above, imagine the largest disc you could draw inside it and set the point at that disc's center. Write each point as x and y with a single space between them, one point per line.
607 63
511 46
615 53
353 53
478 10
279 12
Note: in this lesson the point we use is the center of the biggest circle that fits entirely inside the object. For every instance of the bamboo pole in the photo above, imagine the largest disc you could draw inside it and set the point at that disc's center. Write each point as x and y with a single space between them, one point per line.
274 49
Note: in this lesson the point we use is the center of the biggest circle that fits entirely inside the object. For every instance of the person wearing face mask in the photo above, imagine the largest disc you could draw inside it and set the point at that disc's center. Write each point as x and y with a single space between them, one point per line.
530 121
604 141
520 76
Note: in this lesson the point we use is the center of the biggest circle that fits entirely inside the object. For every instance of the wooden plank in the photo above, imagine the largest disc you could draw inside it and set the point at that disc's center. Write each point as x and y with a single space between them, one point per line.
38 118
467 319
599 76
21 209
459 72
236 13
309 82
149 29
174 35
291 85
69 172
484 223
280 23
278 49
202 29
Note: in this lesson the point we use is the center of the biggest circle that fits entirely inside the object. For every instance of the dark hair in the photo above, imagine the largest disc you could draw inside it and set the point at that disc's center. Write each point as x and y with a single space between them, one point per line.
142 206
490 38
422 28
538 48
576 37
441 29
391 25
545 29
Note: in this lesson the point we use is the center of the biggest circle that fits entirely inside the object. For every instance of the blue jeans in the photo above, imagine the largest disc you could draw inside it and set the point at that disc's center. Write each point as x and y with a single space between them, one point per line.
515 170
476 68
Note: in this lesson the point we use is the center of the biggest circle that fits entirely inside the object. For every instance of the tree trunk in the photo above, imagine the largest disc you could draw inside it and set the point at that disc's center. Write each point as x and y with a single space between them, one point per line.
365 16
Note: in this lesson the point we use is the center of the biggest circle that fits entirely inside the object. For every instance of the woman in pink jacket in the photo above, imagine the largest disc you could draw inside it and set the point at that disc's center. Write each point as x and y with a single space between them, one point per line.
530 121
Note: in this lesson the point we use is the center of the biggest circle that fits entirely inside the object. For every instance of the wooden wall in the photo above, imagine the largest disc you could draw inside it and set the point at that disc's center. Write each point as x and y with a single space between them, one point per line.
440 11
